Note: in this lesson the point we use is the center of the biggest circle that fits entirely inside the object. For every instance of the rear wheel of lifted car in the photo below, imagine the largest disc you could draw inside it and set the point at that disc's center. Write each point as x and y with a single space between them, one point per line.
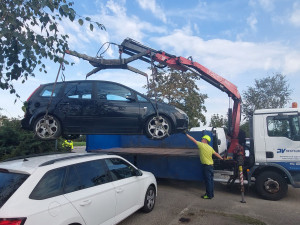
149 201
47 127
271 185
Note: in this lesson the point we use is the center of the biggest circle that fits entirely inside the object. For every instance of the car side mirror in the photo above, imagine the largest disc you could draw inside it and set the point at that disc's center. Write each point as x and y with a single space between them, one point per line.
130 98
138 172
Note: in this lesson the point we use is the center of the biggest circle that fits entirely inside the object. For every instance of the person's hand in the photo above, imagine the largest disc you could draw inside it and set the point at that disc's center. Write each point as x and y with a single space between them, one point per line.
184 131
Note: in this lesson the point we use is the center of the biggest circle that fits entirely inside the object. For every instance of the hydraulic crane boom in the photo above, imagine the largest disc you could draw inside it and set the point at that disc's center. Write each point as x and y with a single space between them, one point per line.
138 51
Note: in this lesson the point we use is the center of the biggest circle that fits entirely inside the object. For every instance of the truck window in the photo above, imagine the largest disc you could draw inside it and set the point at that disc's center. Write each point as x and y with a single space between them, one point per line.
284 127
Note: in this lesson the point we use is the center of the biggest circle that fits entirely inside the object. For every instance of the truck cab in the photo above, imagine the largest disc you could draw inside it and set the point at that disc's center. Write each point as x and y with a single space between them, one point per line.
276 148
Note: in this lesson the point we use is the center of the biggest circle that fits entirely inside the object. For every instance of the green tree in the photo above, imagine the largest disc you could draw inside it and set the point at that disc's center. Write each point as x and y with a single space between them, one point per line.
29 33
270 92
217 120
179 89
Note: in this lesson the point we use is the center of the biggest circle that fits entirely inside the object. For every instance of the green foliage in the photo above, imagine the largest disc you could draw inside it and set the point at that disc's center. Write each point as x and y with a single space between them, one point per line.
14 141
179 89
29 33
218 121
267 93
245 127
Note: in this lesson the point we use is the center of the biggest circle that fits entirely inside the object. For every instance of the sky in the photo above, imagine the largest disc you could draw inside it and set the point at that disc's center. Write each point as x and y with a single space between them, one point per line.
240 40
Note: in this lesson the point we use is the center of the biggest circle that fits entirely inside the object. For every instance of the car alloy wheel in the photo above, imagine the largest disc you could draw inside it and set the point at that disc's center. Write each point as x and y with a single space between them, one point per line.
47 127
149 199
158 127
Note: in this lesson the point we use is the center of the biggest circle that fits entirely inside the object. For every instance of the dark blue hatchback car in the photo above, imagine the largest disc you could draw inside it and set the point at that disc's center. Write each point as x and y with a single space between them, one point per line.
98 107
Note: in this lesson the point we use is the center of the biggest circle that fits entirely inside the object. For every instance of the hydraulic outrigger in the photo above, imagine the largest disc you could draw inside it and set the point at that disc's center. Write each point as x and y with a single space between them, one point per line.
137 51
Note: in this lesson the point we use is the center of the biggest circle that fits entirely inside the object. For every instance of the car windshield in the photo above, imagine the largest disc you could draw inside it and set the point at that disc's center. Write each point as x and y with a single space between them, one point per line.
9 183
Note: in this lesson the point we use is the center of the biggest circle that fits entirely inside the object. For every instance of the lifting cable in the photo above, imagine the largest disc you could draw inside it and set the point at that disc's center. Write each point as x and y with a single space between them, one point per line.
61 67
154 77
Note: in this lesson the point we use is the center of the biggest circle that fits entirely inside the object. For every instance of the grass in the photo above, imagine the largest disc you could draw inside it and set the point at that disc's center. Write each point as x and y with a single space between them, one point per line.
82 143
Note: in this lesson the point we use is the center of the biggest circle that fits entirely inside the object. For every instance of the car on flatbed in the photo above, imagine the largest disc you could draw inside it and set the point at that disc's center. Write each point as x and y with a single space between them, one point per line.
73 188
72 108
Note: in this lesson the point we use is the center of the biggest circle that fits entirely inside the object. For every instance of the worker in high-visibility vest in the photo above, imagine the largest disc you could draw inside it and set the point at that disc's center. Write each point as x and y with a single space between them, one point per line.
205 153
68 144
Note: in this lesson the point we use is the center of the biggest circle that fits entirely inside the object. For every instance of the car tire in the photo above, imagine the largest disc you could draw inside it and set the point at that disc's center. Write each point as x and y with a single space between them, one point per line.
158 127
47 127
150 199
271 185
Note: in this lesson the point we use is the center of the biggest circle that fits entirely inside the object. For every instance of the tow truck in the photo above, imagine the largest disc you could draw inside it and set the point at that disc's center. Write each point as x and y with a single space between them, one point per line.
274 159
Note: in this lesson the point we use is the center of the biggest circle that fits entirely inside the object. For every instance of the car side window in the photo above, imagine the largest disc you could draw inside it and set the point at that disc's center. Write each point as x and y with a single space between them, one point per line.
80 90
47 90
73 182
112 92
50 185
90 174
119 169
141 98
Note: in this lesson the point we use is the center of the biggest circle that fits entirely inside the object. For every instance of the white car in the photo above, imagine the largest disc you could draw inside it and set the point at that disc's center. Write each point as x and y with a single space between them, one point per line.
73 189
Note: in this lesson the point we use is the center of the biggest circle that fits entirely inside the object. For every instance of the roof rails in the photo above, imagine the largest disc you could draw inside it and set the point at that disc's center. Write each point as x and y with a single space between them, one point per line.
69 157
25 157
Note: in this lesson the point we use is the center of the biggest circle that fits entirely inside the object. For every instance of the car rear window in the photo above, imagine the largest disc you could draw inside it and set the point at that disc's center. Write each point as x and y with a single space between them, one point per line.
9 183
47 90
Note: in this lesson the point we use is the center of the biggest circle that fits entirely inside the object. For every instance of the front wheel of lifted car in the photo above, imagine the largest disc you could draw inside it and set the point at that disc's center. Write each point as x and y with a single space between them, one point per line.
47 127
158 127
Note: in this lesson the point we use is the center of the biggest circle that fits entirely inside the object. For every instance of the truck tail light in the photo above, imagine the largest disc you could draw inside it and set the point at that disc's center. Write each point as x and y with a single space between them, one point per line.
12 221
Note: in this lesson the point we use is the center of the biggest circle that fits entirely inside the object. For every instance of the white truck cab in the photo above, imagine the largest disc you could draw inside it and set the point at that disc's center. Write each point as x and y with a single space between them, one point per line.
276 149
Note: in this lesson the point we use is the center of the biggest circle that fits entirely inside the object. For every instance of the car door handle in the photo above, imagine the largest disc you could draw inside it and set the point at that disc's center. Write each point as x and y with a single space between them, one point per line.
85 202
119 190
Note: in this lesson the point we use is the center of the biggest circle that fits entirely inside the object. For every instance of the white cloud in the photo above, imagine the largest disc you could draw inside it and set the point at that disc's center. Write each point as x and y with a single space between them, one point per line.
267 5
154 8
295 16
252 21
231 58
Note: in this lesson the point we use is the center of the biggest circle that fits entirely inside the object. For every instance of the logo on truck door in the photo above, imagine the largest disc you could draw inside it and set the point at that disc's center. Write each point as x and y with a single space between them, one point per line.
282 150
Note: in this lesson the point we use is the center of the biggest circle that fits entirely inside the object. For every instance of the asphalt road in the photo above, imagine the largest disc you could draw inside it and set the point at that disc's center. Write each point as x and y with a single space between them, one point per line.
179 202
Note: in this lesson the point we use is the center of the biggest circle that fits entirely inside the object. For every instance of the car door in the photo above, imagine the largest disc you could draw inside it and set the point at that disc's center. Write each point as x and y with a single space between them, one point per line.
127 185
77 106
118 110
89 188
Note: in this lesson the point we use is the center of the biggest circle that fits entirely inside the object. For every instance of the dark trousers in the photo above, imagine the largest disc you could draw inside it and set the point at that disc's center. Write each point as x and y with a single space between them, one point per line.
208 173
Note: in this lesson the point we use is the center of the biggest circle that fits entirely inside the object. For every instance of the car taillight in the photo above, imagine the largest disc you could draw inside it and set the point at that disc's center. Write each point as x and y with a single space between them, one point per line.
12 221
33 93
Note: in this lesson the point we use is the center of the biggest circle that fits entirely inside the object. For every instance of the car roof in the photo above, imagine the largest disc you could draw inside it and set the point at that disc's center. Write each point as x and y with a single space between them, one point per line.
28 165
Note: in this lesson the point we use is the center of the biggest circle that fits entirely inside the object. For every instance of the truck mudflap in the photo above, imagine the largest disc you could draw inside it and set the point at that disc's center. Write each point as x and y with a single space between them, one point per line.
290 169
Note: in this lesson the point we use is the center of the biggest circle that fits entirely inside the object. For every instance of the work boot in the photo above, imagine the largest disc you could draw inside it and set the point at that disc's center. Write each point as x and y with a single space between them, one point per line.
206 197
202 196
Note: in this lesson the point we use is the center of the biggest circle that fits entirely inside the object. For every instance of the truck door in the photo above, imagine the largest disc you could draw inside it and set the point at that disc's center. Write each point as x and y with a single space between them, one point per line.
283 138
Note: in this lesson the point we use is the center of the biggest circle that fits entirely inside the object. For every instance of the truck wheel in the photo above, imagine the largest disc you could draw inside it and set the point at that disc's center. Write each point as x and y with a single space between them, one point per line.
157 127
47 128
271 185
149 201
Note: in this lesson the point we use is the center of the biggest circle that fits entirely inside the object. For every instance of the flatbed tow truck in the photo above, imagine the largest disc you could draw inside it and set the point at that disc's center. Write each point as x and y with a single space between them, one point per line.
274 160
